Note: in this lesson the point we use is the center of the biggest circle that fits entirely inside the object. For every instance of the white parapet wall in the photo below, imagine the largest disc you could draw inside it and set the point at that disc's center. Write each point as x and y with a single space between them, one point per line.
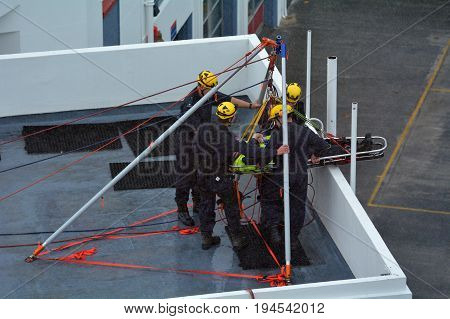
68 80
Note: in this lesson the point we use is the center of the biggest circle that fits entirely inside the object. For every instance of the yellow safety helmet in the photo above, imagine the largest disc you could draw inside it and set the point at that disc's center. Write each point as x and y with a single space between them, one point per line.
293 92
226 110
277 111
207 79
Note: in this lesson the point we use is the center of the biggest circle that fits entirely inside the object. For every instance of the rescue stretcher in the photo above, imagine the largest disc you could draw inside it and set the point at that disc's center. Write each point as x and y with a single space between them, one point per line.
368 148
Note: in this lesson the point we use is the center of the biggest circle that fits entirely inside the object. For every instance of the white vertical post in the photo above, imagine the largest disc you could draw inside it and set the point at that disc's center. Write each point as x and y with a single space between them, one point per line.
354 136
308 76
284 8
331 94
287 215
197 20
148 21
242 17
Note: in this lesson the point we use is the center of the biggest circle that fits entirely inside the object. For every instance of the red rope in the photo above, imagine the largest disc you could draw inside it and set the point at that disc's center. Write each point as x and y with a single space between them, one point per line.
65 167
109 233
90 153
277 280
182 231
333 140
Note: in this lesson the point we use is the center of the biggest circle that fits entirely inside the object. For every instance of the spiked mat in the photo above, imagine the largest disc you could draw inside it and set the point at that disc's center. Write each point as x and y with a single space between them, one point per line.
146 175
140 139
256 255
70 137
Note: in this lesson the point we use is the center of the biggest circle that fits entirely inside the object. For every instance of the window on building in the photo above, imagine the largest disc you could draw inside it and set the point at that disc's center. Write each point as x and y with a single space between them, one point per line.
213 18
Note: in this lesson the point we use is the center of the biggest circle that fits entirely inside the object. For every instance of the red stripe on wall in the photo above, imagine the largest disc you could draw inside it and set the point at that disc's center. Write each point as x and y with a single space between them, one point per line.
257 20
107 6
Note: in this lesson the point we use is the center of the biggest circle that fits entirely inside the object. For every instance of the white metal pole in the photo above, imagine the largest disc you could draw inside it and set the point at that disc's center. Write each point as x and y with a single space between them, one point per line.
308 75
331 94
354 137
197 20
148 8
130 166
287 215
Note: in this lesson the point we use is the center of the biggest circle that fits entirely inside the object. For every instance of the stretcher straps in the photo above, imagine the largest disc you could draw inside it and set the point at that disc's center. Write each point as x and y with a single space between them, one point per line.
333 140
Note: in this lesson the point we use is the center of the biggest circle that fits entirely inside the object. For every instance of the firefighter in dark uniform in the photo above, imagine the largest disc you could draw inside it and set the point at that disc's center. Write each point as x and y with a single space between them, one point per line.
186 180
215 149
303 144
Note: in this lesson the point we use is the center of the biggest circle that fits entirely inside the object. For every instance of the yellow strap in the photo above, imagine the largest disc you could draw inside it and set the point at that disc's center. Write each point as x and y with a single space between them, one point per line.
250 129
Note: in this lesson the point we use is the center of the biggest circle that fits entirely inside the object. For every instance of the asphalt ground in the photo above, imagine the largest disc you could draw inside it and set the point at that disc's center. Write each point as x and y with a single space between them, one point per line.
392 60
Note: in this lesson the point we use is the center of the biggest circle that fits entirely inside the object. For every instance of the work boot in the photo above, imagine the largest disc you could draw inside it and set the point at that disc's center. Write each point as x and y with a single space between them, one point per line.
239 240
208 240
185 218
274 236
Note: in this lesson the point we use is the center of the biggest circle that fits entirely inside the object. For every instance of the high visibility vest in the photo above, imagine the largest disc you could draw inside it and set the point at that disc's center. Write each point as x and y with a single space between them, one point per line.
240 167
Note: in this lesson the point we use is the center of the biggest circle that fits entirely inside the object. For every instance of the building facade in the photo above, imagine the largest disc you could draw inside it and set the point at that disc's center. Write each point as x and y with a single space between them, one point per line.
29 25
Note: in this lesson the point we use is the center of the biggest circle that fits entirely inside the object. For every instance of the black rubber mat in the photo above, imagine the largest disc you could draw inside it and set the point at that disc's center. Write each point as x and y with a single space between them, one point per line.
70 138
140 139
256 255
146 175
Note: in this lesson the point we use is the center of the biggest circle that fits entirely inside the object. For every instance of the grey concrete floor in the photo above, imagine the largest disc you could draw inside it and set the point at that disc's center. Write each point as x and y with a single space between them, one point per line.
388 54
47 205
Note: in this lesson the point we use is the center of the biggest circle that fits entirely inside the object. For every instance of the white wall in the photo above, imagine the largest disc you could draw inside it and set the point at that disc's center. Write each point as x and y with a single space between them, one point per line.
390 287
351 229
131 14
7 6
64 80
55 24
